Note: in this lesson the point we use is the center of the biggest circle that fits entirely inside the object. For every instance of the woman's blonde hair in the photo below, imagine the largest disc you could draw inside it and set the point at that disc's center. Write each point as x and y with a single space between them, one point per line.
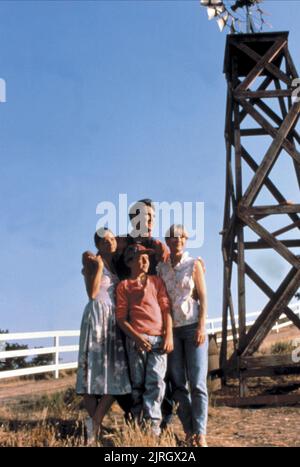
176 230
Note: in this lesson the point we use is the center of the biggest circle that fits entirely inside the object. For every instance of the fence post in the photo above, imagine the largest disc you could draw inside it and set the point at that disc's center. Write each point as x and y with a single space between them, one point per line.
56 345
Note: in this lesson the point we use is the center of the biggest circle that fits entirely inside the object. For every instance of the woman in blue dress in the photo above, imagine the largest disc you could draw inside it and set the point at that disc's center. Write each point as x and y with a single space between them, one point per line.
102 367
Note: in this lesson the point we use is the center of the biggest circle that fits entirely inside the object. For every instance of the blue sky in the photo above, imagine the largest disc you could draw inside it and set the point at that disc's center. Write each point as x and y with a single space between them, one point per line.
106 97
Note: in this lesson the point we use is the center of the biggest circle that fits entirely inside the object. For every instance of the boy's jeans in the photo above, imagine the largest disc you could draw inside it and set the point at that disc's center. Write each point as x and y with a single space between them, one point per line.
188 364
147 371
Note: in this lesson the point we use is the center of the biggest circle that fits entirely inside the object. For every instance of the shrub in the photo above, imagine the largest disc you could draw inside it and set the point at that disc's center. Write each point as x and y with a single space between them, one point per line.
282 347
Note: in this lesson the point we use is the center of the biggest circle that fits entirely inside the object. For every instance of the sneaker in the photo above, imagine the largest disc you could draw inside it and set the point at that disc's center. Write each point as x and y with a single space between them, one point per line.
167 422
151 426
199 441
189 439
155 429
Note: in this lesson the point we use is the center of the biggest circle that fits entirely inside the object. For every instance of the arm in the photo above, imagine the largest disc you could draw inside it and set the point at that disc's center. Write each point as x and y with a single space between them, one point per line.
202 263
140 341
168 344
165 306
161 251
199 279
123 323
92 271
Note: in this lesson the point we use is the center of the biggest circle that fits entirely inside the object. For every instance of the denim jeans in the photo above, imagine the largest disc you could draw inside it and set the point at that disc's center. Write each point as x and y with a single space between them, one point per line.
187 366
147 371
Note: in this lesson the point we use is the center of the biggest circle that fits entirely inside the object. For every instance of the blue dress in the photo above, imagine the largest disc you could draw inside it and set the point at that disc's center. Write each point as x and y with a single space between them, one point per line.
102 364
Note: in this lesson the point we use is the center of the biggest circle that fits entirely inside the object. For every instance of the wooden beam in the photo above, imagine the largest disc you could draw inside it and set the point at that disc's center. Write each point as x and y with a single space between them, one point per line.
267 182
256 278
239 228
223 349
280 98
267 361
278 400
270 210
262 245
255 132
257 38
271 155
264 94
263 325
285 229
288 146
262 86
263 62
273 242
259 372
291 66
292 317
276 119
229 112
228 263
268 291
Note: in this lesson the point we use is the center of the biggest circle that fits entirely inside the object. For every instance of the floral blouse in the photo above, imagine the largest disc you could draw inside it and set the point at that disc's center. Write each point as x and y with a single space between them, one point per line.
180 286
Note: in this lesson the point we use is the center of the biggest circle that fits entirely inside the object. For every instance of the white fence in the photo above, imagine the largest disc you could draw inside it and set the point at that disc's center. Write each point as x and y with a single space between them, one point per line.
56 350
214 326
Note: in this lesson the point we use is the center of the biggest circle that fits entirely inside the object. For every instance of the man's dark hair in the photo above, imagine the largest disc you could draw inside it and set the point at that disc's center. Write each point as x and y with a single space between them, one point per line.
134 210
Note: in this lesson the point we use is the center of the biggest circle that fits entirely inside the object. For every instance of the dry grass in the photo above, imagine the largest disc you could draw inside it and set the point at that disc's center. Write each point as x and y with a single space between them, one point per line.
58 421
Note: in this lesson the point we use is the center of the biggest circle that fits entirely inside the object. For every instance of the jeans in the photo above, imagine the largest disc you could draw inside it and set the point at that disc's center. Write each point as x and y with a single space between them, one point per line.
147 371
167 405
188 372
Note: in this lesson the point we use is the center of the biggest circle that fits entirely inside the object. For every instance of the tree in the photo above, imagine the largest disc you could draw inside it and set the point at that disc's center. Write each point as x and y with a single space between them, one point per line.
41 360
15 362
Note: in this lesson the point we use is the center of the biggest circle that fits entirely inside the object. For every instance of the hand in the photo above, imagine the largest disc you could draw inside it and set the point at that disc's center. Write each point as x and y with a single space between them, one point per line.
168 345
86 257
157 246
142 344
92 263
200 336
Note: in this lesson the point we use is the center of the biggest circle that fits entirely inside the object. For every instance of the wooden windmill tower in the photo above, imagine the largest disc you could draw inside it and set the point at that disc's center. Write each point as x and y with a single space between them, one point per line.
260 104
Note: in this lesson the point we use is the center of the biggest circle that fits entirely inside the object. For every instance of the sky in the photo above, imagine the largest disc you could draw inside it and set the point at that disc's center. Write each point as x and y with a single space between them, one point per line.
107 98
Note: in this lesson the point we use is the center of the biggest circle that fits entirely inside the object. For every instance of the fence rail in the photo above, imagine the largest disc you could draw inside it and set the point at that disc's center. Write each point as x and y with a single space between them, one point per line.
214 326
57 349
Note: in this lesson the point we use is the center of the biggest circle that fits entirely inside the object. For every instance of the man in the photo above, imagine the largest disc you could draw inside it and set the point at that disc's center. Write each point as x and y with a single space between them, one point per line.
142 215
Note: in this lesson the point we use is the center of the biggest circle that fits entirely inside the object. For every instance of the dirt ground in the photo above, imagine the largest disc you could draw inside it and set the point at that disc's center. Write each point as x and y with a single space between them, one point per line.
14 389
237 427
21 408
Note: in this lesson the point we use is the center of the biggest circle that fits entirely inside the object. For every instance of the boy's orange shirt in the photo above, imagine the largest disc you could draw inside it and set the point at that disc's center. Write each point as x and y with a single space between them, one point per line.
143 306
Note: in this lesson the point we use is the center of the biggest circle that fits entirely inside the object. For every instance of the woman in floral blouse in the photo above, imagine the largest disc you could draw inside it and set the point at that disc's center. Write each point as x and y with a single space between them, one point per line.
183 276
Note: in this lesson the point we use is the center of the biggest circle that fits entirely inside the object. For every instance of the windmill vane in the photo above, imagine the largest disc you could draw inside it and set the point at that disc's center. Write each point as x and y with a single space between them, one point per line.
239 15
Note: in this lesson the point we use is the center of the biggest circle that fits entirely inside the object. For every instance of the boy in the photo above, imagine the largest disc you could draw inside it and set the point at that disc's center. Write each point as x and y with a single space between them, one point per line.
143 314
